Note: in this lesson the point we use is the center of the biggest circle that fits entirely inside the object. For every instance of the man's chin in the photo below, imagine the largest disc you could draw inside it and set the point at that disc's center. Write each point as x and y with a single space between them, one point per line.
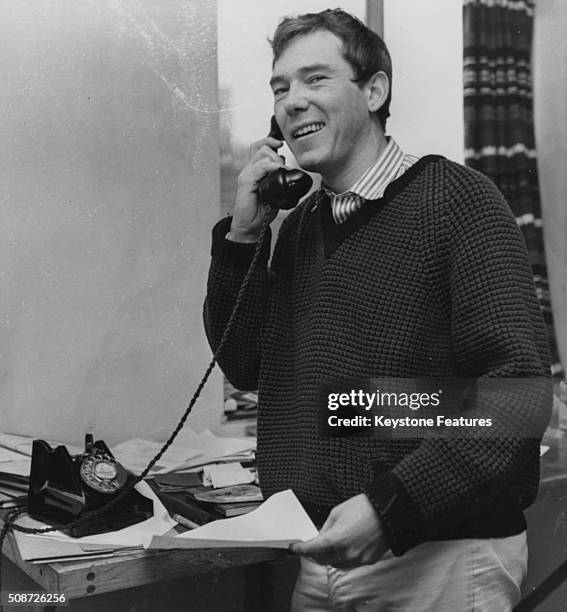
310 161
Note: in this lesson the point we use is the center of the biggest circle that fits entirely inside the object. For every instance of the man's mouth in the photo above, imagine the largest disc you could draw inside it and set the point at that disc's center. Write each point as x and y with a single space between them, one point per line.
306 130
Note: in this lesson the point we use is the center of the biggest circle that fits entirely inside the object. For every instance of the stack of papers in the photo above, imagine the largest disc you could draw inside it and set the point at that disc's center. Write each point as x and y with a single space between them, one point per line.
135 455
14 477
189 450
23 444
214 449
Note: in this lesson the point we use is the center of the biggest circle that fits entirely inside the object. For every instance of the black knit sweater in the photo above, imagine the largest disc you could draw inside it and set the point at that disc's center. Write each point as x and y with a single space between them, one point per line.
432 280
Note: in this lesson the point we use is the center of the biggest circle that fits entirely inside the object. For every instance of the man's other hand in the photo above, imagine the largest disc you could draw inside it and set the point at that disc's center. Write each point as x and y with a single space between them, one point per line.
351 536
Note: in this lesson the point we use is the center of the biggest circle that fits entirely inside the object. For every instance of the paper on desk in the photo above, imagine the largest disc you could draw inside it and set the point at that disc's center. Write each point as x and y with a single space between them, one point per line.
84 556
278 522
221 475
40 547
20 444
56 543
23 444
212 445
212 448
189 450
8 455
135 455
18 467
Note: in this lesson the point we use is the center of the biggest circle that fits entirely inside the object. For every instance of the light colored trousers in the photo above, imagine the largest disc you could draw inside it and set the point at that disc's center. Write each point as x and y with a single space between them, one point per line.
451 576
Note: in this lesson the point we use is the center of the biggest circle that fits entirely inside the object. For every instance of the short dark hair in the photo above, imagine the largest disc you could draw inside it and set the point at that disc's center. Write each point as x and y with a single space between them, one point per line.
363 49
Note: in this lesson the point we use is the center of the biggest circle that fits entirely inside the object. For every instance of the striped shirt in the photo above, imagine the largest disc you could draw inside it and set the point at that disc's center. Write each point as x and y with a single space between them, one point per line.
372 184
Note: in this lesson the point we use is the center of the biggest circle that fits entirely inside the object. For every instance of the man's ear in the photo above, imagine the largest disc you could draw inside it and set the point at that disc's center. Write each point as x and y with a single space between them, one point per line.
377 87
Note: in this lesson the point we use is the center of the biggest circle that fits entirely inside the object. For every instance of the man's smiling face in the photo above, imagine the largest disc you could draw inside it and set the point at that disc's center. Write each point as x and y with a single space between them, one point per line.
323 114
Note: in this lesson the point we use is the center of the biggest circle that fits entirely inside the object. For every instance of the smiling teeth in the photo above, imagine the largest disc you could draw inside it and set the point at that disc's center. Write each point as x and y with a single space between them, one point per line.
308 129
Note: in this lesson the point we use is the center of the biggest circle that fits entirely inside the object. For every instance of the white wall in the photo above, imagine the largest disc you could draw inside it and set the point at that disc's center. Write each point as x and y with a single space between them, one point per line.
426 43
110 184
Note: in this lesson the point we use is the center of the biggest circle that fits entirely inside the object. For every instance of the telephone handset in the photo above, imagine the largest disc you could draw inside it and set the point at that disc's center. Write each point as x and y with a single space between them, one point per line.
283 188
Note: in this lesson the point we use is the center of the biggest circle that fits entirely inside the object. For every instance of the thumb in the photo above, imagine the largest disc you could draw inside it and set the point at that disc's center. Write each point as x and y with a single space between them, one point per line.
300 547
310 548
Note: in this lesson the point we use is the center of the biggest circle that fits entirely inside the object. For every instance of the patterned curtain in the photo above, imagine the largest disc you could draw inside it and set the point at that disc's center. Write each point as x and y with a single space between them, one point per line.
499 127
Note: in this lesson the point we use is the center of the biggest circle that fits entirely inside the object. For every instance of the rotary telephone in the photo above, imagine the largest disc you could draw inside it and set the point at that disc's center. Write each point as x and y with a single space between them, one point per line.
91 492
64 488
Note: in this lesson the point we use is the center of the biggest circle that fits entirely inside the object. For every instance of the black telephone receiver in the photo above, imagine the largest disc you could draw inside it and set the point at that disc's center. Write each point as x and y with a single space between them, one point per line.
283 188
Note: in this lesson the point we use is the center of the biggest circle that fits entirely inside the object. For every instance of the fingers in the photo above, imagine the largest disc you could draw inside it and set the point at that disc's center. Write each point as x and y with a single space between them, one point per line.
268 143
248 212
263 159
256 170
266 152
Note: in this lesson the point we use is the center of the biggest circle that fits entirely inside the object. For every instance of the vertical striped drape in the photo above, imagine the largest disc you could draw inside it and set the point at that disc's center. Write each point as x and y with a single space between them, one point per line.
499 127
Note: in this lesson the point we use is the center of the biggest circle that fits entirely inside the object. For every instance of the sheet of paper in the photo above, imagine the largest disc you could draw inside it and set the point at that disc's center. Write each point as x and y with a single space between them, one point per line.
41 547
8 455
84 556
198 463
135 455
19 467
277 523
189 450
221 475
212 445
57 543
23 444
212 448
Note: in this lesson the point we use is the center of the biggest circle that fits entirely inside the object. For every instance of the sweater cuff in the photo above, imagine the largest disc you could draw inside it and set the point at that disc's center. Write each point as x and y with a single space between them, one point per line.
236 255
398 514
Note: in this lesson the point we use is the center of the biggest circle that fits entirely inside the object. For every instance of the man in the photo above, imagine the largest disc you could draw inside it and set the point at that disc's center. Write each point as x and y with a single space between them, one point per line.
399 268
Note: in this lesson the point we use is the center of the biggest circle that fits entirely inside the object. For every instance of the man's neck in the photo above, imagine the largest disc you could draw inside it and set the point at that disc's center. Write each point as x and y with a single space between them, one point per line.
342 180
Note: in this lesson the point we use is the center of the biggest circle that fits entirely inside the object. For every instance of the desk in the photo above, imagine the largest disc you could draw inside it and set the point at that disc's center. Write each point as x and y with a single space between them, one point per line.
161 571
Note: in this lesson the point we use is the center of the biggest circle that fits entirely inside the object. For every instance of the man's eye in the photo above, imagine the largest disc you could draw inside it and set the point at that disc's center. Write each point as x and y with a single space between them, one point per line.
316 78
279 91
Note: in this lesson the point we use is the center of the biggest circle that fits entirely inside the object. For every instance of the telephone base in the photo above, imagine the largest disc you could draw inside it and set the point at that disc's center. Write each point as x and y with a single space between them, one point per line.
63 488
115 519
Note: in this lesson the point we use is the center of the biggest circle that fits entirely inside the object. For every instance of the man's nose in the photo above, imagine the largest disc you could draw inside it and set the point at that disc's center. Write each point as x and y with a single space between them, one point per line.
296 99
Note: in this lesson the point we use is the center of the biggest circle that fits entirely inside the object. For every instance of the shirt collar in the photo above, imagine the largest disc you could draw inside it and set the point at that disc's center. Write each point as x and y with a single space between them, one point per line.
372 184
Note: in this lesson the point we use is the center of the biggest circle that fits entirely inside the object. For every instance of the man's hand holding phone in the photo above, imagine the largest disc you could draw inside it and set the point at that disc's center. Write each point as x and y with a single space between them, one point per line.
248 210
